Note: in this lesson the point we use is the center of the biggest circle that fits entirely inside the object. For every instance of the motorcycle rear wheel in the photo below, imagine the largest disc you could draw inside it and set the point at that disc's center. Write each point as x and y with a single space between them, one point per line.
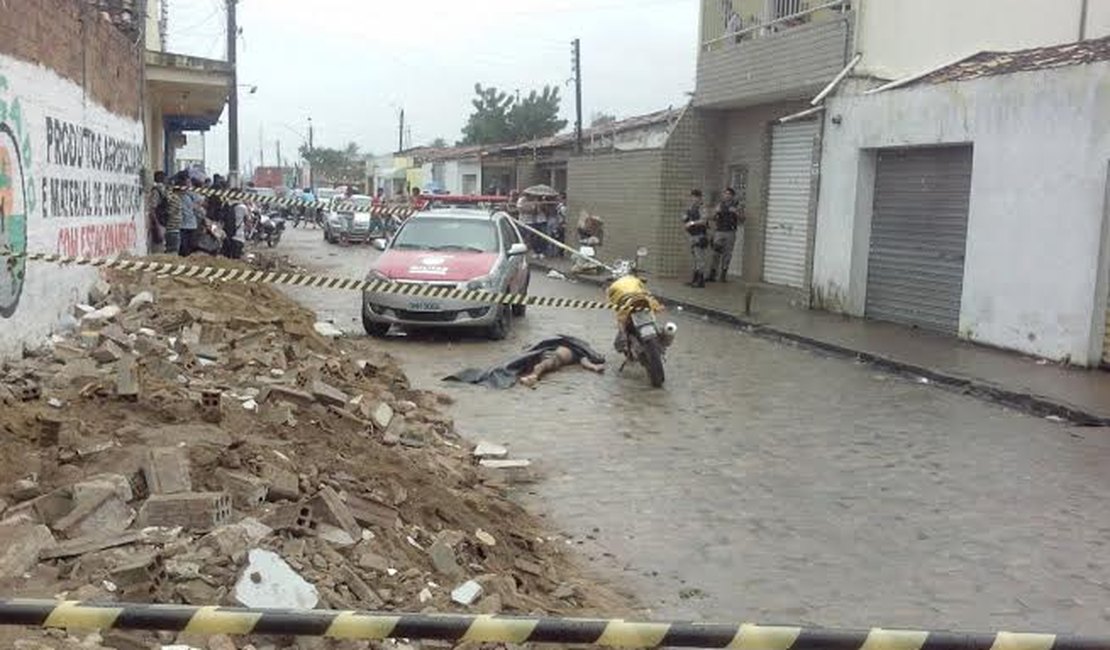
651 356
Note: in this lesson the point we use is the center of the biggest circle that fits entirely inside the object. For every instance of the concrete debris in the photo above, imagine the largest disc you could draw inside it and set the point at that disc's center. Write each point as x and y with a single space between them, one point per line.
247 491
490 450
166 470
140 299
328 508
505 464
327 330
269 582
198 511
467 593
97 510
329 395
443 559
102 315
266 454
20 547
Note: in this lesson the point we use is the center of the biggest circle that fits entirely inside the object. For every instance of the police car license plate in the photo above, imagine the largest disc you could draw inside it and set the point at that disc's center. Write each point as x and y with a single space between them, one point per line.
423 305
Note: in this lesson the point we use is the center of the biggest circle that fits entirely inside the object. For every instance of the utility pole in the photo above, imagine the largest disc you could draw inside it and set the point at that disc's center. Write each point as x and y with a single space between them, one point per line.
261 148
576 50
278 144
311 149
233 99
401 133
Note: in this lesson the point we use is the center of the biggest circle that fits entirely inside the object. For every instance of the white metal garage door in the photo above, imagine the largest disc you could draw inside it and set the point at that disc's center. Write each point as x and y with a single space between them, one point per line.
789 193
915 269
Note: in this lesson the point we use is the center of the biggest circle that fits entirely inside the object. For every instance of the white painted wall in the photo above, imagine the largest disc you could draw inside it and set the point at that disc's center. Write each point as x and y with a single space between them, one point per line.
453 171
78 196
903 37
1041 150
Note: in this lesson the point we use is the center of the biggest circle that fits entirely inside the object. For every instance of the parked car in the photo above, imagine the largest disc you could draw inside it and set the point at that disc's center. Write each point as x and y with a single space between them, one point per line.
457 248
349 220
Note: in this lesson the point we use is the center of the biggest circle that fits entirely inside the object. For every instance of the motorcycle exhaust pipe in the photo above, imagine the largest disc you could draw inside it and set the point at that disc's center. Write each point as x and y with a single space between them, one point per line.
669 331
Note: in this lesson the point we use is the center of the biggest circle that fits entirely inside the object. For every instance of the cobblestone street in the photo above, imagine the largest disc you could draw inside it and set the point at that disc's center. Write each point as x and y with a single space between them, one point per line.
771 484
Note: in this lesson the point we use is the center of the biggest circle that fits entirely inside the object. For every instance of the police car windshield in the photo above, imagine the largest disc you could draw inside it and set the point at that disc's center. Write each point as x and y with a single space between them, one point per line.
440 234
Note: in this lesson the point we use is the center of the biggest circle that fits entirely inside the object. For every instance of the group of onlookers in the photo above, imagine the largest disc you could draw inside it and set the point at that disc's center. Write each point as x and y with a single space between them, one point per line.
547 215
185 216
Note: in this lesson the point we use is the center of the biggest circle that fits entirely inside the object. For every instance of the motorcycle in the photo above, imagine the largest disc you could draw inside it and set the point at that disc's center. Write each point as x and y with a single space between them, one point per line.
269 229
640 336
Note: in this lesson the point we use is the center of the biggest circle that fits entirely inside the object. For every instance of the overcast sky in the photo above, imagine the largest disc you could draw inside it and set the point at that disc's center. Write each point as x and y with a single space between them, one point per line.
351 64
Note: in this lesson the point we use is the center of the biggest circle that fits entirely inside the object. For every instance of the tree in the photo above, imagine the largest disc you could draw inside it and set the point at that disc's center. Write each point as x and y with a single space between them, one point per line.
347 165
498 117
536 116
438 143
601 119
489 123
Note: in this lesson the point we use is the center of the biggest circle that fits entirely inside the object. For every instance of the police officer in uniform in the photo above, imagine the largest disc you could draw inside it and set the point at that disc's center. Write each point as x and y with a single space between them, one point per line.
728 218
697 229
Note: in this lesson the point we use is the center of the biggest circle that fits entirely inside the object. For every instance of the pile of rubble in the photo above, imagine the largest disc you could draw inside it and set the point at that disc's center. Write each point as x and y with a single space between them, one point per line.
211 444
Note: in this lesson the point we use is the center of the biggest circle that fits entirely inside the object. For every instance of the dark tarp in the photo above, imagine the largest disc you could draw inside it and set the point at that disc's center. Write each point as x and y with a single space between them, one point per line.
505 375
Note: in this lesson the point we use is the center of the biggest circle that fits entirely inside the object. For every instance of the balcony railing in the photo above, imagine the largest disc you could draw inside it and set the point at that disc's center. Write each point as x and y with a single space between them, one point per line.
723 22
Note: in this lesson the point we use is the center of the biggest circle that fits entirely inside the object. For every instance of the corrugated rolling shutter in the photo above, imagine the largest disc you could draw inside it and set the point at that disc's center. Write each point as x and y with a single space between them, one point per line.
918 237
1106 341
789 192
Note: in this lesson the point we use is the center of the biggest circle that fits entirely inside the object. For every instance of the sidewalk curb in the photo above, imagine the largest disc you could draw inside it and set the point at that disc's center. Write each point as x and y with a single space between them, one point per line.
1021 401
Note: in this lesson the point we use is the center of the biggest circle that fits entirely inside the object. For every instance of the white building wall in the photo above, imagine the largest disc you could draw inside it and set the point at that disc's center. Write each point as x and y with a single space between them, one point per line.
903 37
1034 277
473 167
71 186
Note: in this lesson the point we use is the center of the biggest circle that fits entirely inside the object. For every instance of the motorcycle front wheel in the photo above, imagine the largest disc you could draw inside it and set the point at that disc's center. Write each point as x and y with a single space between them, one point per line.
651 356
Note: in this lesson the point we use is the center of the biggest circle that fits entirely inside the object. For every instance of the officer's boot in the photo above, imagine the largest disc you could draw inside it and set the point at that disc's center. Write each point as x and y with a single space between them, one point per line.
724 274
712 276
699 280
694 280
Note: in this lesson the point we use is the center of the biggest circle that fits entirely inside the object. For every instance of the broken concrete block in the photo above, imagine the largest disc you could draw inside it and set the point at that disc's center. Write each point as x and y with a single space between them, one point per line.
50 431
335 536
327 330
198 511
296 517
127 379
98 511
20 547
485 538
238 537
505 464
45 509
113 482
166 470
114 333
370 598
25 489
490 450
140 299
467 593
372 513
528 566
143 569
268 582
90 544
328 508
443 559
247 490
283 484
329 395
289 394
100 292
381 415
107 352
102 315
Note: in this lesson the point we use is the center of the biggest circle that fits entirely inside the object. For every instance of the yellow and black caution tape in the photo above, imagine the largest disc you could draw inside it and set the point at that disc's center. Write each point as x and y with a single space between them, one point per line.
337 205
416 290
507 629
